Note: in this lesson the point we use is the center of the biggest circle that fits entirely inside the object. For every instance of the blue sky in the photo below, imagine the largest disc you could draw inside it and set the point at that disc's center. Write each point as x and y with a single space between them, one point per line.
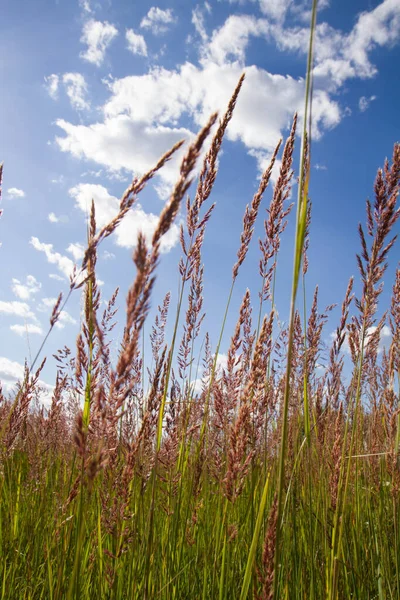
94 92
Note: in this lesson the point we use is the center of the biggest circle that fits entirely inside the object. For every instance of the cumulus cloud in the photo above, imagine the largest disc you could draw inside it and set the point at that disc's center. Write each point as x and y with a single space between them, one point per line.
136 220
144 114
76 88
340 56
157 20
98 37
115 142
136 43
25 290
364 102
51 85
26 329
14 192
17 309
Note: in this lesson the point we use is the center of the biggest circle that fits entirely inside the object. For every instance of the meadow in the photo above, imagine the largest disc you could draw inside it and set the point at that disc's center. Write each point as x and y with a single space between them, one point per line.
271 478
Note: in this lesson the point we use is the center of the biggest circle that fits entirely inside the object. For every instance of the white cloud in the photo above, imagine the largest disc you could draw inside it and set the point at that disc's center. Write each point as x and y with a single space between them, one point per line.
10 370
136 220
26 329
163 96
158 20
320 167
46 304
15 193
198 22
17 309
115 143
136 43
52 217
57 180
144 114
364 102
77 250
56 277
51 85
275 9
108 255
98 36
25 291
76 88
64 264
85 6
65 319
340 56
230 41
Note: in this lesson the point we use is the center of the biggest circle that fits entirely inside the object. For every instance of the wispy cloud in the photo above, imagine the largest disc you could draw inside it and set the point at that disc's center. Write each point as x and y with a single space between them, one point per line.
14 192
76 88
158 21
51 85
97 35
364 102
136 43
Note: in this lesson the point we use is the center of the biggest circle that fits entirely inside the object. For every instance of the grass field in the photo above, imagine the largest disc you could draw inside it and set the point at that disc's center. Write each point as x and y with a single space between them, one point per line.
272 478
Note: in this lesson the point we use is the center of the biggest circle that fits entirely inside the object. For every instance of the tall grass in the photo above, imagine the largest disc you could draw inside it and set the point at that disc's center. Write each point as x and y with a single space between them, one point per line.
270 478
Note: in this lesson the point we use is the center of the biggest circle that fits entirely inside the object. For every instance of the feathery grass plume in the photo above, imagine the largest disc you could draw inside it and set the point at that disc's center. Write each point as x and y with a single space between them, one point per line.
250 215
158 329
168 215
15 423
208 172
335 368
276 222
266 573
314 331
128 199
78 278
194 319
